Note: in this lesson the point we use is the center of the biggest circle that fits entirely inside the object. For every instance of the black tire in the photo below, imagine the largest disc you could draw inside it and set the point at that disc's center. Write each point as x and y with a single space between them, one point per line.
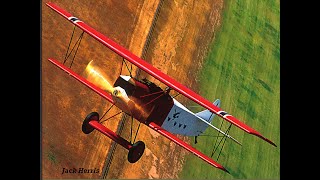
136 151
86 127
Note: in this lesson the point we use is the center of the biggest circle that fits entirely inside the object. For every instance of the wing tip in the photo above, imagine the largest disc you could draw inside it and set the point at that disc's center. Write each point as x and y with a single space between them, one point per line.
49 3
225 170
270 142
266 139
222 168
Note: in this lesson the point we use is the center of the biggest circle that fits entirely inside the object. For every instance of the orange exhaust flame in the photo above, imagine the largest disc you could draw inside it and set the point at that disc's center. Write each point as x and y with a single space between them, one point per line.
96 76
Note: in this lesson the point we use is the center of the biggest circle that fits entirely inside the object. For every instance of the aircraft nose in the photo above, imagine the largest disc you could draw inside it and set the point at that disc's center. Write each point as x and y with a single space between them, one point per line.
115 92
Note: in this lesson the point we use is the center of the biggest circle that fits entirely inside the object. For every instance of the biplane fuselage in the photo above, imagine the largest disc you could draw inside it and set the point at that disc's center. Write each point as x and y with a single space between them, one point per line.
147 103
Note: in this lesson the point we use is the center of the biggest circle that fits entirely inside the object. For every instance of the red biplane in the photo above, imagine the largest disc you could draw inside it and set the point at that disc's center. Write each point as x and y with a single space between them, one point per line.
147 102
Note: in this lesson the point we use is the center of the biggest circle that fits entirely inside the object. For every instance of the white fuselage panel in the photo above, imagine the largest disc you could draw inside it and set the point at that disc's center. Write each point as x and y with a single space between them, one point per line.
182 121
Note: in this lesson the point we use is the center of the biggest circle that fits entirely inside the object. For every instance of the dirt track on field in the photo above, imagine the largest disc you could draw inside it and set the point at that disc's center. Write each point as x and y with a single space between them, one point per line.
179 42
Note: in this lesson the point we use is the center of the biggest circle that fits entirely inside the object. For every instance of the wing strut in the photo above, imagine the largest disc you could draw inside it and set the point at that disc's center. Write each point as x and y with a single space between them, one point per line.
77 44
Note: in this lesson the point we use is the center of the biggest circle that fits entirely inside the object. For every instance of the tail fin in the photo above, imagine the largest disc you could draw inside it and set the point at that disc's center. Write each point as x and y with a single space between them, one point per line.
206 114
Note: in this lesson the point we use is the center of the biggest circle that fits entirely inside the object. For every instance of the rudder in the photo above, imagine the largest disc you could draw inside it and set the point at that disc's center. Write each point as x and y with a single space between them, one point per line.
206 114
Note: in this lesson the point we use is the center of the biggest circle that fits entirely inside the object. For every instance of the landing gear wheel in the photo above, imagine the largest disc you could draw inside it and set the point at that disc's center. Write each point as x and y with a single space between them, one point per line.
86 127
136 151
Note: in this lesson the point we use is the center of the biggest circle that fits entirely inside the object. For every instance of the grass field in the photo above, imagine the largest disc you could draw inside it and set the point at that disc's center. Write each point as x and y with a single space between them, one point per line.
243 70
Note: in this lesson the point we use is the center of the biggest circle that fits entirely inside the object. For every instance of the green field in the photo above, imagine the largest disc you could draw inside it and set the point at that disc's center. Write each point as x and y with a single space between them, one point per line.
243 70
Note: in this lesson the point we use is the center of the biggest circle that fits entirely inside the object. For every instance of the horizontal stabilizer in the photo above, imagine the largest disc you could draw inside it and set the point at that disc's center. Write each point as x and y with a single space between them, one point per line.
227 135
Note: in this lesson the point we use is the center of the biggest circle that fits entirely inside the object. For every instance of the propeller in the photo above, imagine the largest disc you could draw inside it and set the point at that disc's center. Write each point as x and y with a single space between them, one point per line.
129 105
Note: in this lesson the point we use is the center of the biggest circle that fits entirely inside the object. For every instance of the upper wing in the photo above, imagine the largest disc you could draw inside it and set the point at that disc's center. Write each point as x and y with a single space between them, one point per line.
83 80
155 72
185 145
